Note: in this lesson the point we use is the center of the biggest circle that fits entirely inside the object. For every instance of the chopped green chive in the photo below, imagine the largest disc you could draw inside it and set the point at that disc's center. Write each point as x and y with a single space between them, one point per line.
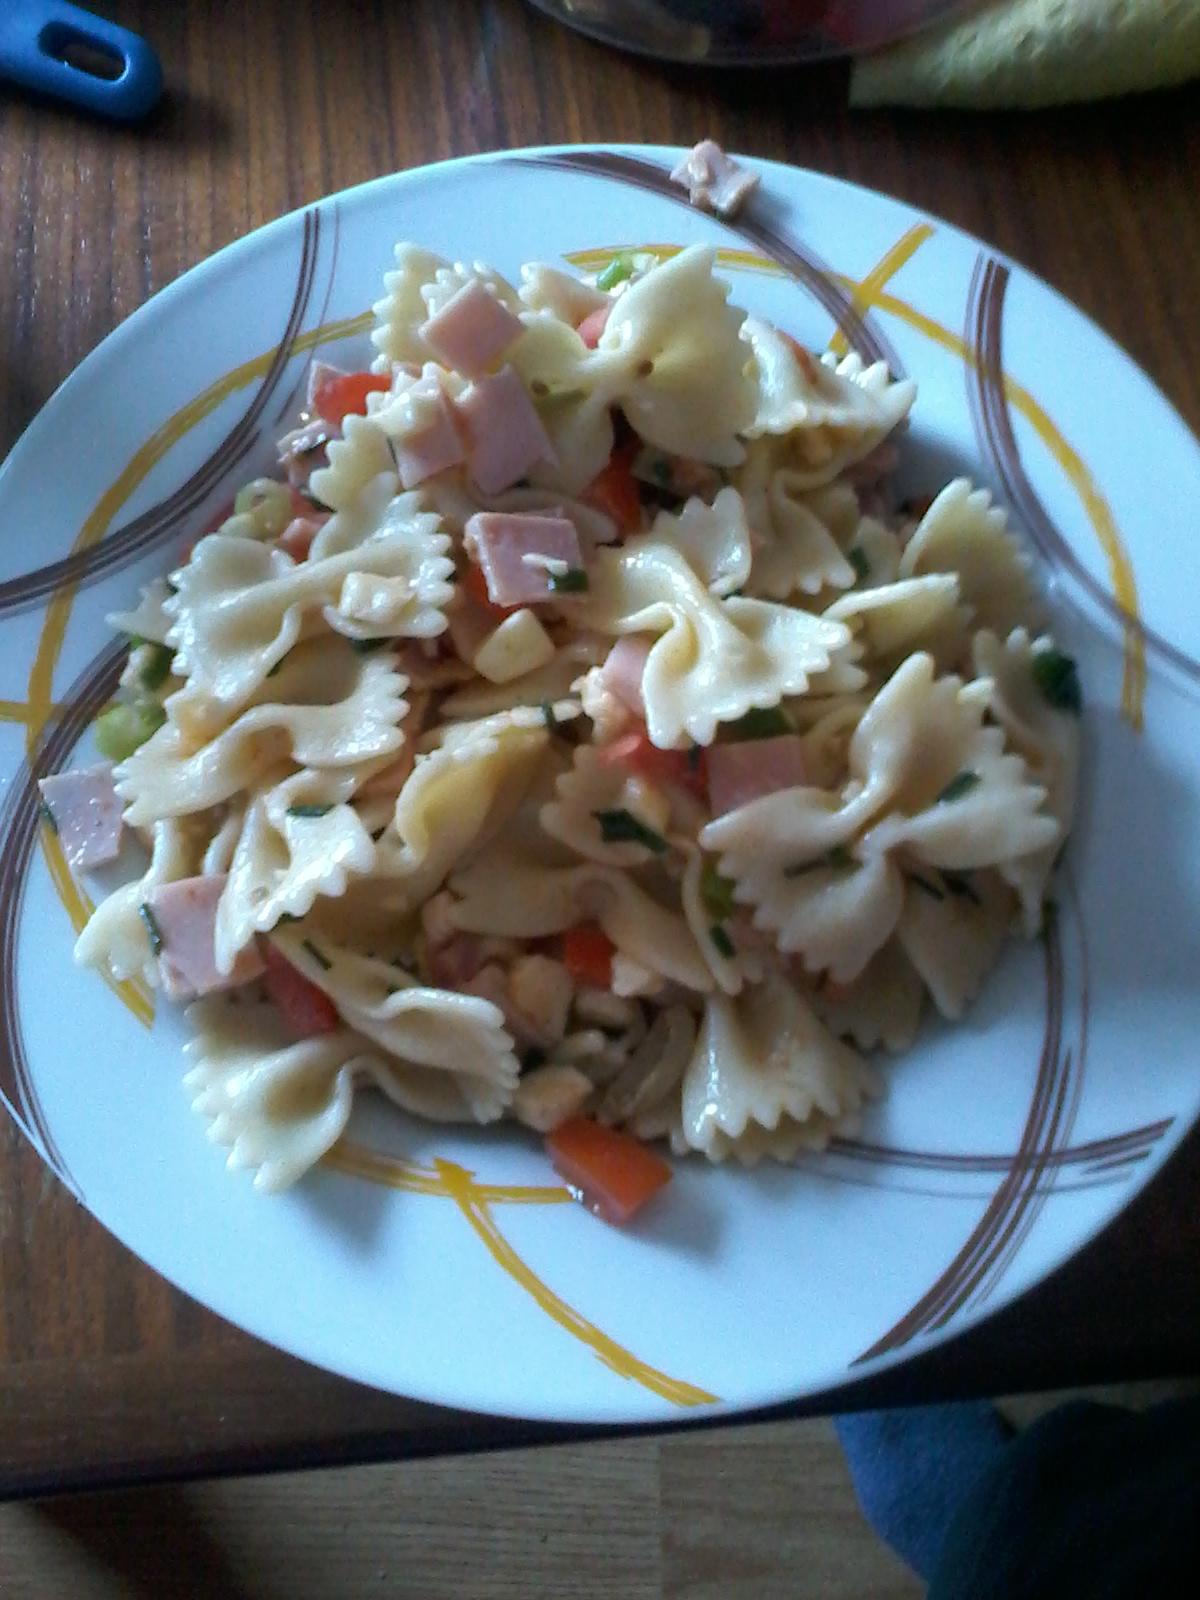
322 960
365 646
757 723
548 716
962 783
124 728
158 665
622 827
152 928
958 884
309 811
857 557
47 816
931 889
573 581
721 941
1058 679
617 271
716 892
839 858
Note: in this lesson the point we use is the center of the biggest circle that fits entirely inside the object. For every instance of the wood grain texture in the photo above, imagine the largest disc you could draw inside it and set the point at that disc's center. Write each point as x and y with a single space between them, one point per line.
105 1372
741 1515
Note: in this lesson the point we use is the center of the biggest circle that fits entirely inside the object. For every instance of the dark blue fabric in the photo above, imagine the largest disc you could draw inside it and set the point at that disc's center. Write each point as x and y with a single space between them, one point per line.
912 1467
1091 1501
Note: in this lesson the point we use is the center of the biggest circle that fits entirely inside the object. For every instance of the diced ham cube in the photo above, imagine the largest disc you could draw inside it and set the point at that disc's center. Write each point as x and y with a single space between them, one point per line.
454 964
296 539
433 447
472 330
185 916
85 810
713 180
594 324
504 433
319 374
739 773
305 449
500 540
623 669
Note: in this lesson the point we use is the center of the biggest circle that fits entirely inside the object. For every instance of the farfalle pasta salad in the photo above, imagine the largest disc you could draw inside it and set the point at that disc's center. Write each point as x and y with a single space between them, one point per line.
575 732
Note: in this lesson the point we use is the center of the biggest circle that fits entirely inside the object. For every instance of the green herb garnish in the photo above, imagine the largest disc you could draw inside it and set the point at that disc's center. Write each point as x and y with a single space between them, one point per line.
573 581
47 816
157 668
839 858
309 811
857 557
931 889
757 723
622 827
716 892
962 783
958 884
1058 680
617 271
152 928
125 728
365 646
721 941
322 960
548 716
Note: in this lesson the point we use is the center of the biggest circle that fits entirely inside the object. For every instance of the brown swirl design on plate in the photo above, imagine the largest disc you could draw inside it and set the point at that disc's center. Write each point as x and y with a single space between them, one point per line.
807 268
19 823
988 398
161 522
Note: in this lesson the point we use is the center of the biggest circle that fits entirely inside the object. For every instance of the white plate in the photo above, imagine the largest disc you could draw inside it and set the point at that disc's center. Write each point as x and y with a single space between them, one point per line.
1002 1145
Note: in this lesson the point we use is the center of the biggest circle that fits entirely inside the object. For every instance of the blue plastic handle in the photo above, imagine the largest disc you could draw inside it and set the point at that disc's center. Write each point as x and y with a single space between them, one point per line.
35 37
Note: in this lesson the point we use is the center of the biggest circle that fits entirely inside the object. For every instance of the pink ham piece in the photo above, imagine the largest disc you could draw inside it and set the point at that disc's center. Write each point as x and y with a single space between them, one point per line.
713 180
504 434
296 539
85 810
472 330
454 964
500 541
305 449
739 773
624 668
320 373
436 446
185 915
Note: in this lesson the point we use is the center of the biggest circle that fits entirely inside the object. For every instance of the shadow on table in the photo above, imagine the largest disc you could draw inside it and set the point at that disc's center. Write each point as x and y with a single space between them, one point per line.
150 1543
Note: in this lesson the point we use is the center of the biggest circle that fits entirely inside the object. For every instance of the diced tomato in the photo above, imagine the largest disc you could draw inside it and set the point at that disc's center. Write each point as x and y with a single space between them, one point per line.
299 534
594 324
614 1174
475 583
615 490
305 1009
587 954
341 393
635 752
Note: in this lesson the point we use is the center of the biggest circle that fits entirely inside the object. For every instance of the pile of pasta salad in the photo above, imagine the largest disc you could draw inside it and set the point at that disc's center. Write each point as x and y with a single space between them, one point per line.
576 732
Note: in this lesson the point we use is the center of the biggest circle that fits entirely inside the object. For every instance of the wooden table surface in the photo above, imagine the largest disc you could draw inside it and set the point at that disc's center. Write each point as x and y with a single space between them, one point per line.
107 1373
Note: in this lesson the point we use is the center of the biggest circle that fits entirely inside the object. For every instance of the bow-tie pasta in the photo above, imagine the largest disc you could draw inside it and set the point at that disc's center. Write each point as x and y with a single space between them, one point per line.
577 728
